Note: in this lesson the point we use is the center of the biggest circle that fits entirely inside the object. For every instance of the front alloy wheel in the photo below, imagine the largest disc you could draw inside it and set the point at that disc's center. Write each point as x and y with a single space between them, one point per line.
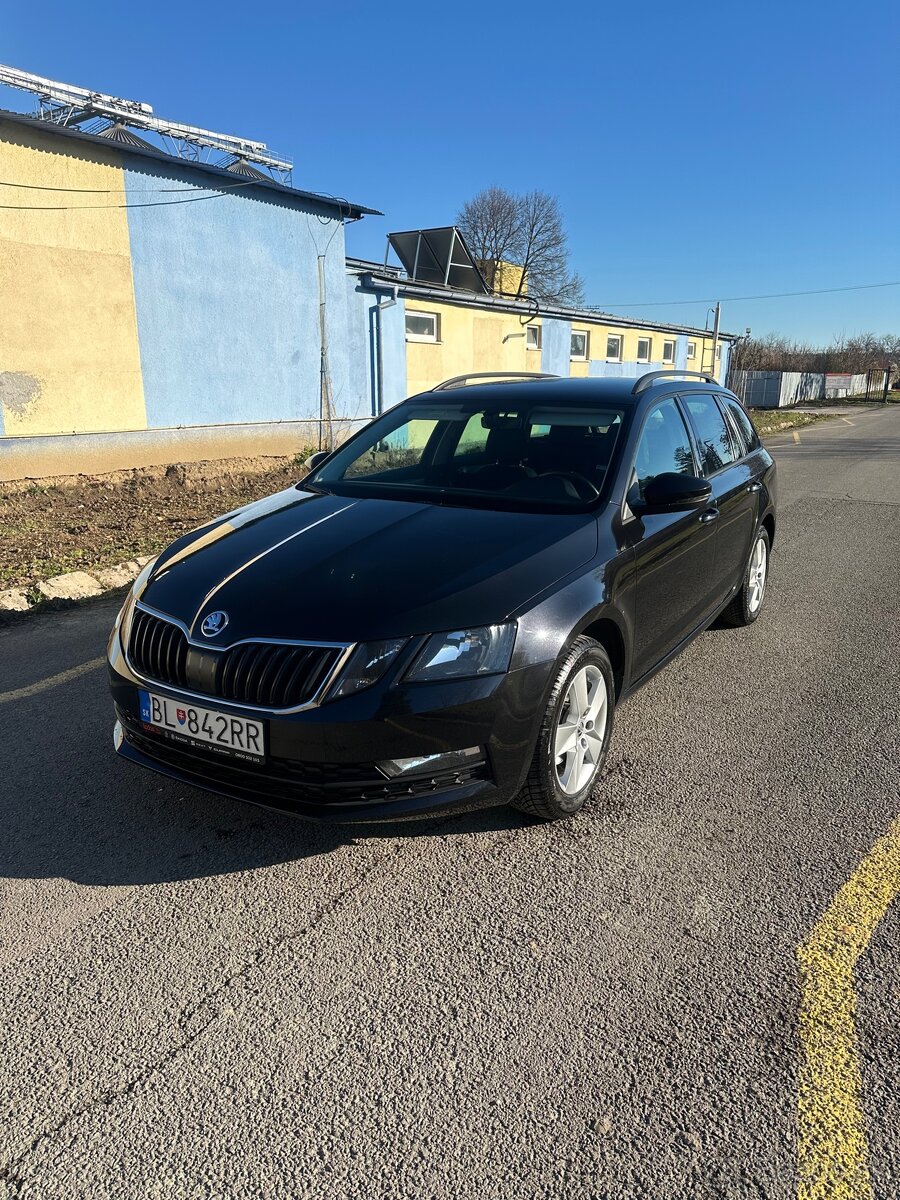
747 604
578 743
574 735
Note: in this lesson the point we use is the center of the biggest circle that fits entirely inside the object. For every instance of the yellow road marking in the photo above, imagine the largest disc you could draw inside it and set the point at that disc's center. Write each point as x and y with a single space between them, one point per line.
832 1149
54 680
796 436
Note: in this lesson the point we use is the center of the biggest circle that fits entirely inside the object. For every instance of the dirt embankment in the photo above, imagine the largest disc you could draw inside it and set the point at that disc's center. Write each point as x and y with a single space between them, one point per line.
77 523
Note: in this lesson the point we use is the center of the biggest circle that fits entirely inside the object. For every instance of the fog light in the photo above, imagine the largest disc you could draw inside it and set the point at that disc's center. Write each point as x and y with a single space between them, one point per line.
393 767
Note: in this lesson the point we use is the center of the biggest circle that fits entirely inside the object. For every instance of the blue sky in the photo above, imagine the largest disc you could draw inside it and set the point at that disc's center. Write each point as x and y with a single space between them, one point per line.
697 150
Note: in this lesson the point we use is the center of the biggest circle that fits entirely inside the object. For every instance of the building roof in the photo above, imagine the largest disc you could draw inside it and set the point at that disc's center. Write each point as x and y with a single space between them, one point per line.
391 277
145 150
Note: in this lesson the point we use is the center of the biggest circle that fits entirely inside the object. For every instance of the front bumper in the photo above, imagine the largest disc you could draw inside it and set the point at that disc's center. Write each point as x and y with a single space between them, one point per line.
321 762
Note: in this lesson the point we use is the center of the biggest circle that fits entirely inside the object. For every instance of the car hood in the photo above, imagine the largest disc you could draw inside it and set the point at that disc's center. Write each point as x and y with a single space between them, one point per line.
322 567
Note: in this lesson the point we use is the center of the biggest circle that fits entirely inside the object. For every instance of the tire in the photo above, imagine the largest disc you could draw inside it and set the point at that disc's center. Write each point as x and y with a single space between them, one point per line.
558 785
748 603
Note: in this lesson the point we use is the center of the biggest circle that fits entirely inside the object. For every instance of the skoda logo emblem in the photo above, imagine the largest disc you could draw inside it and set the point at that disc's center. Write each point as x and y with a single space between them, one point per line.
214 623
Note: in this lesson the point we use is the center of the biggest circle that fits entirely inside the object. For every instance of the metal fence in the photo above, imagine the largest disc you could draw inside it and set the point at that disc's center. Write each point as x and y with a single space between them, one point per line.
786 389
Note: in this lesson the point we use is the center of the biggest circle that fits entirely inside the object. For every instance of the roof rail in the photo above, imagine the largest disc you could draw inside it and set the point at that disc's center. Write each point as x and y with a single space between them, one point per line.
458 381
651 376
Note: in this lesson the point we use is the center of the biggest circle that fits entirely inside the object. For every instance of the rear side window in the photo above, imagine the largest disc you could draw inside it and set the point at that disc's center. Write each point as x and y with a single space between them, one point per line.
664 446
742 424
713 439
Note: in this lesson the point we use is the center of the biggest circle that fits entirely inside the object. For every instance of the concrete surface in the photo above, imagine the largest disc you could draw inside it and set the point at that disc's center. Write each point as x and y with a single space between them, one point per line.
200 999
50 455
73 585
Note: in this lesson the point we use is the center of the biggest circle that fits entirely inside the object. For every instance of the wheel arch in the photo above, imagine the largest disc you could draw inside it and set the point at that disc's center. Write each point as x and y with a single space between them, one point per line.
608 633
768 523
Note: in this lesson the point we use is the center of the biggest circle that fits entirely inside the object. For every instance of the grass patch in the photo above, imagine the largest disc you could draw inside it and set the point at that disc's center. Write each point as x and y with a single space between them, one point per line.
774 420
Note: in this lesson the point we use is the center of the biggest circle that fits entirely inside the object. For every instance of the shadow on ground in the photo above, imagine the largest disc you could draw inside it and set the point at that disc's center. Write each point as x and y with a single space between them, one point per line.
71 809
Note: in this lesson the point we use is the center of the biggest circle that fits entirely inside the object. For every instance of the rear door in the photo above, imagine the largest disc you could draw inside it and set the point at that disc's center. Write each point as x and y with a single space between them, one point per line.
674 552
735 490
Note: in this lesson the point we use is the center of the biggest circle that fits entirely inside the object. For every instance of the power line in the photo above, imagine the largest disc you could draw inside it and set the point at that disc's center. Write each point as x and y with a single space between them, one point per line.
854 287
95 207
44 187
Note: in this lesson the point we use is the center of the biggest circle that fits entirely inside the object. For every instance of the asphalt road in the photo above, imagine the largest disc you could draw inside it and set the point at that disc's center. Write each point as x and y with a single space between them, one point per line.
200 999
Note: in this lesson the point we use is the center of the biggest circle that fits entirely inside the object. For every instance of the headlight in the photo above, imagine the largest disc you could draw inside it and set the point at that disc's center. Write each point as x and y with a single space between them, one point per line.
366 665
464 653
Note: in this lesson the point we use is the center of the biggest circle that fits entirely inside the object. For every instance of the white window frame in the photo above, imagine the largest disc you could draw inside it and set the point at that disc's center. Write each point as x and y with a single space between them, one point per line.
585 333
648 358
669 359
424 337
691 350
617 337
535 332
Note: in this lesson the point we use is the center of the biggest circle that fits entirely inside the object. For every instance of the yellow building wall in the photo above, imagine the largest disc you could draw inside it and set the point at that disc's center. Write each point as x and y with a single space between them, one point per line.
69 357
469 340
598 334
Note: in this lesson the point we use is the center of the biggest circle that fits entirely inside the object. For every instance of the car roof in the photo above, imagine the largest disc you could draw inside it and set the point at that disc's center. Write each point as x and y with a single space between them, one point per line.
563 391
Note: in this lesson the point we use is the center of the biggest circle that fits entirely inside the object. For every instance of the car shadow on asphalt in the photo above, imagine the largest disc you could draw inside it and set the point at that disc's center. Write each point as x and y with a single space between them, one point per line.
71 809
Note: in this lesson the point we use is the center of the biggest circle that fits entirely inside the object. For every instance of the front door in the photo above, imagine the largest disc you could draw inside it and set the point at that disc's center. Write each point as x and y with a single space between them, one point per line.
734 489
674 552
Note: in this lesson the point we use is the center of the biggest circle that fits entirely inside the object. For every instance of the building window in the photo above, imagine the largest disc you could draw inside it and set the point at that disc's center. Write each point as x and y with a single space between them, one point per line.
718 353
692 350
614 348
422 327
668 352
579 351
533 337
645 345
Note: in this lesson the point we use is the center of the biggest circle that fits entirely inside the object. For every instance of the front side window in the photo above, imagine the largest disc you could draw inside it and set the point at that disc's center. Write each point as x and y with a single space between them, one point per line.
533 337
713 438
579 345
645 345
614 348
668 352
422 327
527 456
664 446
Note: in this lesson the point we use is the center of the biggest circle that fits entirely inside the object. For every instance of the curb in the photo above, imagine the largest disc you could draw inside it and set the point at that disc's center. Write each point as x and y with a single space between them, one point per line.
74 585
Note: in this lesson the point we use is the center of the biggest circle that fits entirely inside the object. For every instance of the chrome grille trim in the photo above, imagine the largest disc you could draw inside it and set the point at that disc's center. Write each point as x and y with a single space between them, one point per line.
172 651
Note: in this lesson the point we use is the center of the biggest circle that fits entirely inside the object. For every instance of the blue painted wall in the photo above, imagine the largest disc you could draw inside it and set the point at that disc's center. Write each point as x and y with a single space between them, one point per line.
556 346
226 294
681 358
362 343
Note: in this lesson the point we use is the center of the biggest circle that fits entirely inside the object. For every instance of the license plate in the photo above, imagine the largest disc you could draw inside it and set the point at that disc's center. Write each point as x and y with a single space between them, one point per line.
237 737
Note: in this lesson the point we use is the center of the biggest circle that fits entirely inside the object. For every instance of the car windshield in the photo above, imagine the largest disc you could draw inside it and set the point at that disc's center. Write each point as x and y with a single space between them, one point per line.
536 457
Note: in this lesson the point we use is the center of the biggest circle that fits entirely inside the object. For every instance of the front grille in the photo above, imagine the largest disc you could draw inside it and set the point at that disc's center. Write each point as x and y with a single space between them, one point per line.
158 649
262 674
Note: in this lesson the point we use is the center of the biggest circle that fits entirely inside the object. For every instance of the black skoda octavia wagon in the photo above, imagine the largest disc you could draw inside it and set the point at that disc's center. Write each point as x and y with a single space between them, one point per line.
446 611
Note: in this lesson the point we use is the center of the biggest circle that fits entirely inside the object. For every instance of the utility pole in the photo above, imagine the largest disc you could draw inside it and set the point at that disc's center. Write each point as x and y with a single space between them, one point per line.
715 339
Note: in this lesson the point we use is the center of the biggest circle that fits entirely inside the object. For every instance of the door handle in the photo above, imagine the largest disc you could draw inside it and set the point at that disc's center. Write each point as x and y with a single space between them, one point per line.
754 487
709 515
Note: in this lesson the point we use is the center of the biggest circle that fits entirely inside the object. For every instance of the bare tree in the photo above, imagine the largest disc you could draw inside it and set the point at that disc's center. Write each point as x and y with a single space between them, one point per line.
854 355
526 231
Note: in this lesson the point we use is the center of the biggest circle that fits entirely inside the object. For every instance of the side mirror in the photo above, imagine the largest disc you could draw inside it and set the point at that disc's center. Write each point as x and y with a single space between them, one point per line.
671 492
315 460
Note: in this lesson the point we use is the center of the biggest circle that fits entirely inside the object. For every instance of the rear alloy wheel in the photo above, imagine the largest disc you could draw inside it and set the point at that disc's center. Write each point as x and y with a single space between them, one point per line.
747 604
574 735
